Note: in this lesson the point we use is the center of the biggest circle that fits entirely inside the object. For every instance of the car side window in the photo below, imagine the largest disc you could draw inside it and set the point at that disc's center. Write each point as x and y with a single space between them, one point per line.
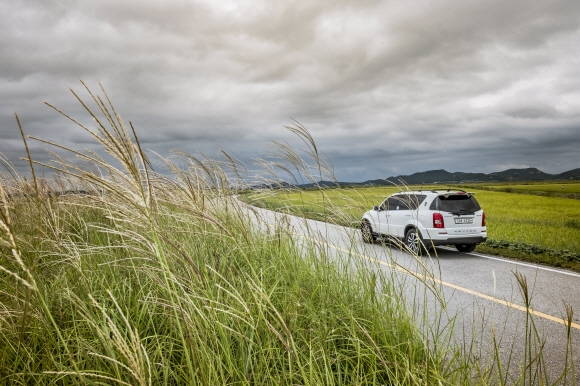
402 202
396 203
433 205
384 205
414 200
405 201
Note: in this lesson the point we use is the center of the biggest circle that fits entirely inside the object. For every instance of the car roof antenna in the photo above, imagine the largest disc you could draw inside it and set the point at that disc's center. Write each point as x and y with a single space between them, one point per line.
448 189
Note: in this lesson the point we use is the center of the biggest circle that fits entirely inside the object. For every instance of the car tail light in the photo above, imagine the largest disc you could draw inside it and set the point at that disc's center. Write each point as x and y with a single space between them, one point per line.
483 219
438 220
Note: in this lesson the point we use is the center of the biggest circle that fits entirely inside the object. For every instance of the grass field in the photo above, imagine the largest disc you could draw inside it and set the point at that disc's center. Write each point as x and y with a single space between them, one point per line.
101 295
153 280
540 187
522 220
552 189
157 280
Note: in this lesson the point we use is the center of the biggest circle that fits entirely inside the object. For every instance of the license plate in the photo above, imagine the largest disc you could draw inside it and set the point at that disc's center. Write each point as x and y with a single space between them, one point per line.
464 220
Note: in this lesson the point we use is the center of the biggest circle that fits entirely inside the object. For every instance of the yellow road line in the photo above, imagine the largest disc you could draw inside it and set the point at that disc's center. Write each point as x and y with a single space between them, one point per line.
463 289
450 285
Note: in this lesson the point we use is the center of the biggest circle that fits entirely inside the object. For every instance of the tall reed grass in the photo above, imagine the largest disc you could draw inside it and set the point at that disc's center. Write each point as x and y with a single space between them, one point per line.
165 279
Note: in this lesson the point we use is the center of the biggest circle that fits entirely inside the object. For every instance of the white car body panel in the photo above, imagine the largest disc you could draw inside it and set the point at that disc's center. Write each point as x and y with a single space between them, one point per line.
461 226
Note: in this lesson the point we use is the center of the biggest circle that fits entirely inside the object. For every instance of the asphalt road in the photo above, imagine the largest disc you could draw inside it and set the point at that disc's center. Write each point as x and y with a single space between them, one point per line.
483 298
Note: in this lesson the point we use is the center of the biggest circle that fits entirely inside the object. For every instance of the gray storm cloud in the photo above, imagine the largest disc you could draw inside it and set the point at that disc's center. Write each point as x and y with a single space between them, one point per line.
384 87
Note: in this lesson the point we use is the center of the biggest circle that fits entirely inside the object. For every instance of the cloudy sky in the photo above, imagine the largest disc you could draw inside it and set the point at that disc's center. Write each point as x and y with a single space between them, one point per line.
385 87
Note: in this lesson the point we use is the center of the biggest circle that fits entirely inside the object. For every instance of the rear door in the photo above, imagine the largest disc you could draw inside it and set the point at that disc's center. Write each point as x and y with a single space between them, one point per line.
461 213
400 214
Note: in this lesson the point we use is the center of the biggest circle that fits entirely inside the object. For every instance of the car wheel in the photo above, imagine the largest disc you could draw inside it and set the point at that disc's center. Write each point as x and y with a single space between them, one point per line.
413 242
465 247
367 232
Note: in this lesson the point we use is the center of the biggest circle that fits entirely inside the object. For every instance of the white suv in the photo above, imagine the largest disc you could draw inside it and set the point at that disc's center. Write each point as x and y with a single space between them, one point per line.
424 219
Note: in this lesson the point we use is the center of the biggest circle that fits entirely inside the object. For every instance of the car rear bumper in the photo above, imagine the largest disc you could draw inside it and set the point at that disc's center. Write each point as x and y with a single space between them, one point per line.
455 240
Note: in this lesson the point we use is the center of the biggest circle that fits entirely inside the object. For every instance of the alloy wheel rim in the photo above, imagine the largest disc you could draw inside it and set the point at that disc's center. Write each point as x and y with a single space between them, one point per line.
413 242
366 230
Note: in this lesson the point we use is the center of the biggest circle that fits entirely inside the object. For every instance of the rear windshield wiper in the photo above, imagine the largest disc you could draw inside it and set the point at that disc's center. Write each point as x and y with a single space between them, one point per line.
462 211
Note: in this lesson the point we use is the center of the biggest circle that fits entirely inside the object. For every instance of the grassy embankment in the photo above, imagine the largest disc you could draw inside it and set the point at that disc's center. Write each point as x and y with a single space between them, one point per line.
522 226
186 293
167 281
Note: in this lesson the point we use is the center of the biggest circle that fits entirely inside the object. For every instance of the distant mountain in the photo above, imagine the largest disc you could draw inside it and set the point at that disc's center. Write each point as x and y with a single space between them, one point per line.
442 176
331 184
433 176
529 174
573 174
274 185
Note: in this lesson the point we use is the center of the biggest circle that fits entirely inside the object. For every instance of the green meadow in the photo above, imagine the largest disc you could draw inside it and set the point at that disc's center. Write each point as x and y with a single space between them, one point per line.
524 226
561 189
541 187
552 187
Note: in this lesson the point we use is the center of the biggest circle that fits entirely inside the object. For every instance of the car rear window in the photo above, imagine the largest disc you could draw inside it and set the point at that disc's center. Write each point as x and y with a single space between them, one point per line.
456 203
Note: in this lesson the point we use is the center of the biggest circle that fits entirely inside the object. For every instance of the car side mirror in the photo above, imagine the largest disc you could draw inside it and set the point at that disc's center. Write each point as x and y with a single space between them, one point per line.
376 208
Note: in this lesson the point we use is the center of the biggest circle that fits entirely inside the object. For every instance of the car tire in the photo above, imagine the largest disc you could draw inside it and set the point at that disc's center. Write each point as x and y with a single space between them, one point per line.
367 232
465 247
413 242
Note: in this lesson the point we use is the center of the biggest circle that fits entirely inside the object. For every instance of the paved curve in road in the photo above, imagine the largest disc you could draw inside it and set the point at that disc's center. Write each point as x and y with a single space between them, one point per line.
482 290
